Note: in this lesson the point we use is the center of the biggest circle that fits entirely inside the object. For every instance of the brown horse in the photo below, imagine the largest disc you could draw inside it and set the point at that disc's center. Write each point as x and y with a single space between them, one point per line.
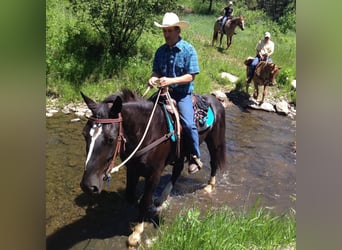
228 29
264 75
116 128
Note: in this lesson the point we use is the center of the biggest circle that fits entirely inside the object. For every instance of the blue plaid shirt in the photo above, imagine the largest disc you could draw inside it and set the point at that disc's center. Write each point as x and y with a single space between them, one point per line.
176 61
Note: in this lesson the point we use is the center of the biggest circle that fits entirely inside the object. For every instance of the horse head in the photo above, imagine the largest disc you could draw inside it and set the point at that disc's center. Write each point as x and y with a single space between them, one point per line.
241 22
274 70
101 134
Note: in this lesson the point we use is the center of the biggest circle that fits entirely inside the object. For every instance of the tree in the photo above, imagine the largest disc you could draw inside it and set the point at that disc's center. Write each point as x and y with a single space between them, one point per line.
119 23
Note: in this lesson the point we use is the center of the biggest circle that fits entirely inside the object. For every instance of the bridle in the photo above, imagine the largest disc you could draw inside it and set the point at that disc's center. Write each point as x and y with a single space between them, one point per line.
111 168
118 142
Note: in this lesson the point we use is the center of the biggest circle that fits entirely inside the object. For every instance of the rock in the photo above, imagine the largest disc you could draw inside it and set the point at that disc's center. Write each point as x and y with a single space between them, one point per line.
79 113
66 110
222 97
282 108
266 106
294 83
75 120
230 77
53 111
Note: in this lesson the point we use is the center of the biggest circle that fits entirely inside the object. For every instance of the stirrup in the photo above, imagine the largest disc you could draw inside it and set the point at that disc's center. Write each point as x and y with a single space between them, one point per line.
195 165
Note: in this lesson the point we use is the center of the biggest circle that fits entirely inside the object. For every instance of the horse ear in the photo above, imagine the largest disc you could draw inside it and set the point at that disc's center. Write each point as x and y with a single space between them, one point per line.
116 108
90 103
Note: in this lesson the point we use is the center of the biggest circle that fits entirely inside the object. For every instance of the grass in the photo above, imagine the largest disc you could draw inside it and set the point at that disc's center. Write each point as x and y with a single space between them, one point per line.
212 61
225 229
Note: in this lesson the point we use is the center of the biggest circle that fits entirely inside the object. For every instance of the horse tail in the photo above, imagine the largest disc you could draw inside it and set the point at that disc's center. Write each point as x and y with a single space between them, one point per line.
215 35
216 143
220 149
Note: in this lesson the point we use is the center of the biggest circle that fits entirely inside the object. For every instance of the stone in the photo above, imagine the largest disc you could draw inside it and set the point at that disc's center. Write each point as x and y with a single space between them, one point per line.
230 77
282 108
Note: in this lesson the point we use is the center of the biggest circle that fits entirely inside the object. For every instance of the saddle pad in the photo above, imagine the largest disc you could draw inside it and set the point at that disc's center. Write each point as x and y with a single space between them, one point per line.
209 121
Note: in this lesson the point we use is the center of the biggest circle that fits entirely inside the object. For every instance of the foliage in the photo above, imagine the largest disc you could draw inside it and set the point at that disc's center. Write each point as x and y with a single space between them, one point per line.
76 53
225 229
288 20
88 41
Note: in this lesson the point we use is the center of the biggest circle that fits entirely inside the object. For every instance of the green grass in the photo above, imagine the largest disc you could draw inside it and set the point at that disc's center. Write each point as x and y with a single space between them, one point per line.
212 61
225 229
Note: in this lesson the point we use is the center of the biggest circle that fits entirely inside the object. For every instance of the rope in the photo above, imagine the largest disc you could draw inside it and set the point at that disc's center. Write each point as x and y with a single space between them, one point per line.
115 169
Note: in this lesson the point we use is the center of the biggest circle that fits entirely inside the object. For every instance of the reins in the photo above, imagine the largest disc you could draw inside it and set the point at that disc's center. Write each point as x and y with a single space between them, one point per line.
115 169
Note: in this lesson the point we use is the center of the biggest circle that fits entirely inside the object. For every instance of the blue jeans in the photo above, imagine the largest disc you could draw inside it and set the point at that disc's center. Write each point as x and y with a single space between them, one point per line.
186 114
253 65
224 19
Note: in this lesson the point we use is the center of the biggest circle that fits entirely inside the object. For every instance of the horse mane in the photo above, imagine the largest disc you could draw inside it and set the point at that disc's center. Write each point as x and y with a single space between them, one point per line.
237 18
126 95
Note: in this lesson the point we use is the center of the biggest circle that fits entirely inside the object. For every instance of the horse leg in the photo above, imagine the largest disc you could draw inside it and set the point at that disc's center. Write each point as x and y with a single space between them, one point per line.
217 150
229 41
256 91
263 95
132 178
247 83
145 209
221 40
176 172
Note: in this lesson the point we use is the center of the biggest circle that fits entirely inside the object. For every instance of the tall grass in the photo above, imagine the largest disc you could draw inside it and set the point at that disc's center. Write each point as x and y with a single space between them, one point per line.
226 229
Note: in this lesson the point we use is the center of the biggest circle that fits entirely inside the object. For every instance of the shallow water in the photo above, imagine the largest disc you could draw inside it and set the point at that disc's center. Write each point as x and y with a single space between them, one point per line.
261 166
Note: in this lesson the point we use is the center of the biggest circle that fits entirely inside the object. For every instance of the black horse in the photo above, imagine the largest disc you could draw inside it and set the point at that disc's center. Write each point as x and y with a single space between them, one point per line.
116 127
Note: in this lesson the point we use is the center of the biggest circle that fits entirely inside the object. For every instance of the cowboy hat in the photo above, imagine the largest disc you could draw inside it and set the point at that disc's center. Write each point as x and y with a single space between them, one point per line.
230 3
268 34
170 19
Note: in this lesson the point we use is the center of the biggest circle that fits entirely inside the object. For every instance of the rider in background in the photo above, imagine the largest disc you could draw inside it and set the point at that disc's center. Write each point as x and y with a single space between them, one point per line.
228 14
264 50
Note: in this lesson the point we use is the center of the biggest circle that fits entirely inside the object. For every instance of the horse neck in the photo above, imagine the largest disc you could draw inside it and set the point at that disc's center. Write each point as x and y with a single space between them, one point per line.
233 23
136 115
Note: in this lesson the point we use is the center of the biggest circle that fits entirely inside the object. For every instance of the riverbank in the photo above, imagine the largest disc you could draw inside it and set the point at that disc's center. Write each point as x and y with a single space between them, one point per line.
281 105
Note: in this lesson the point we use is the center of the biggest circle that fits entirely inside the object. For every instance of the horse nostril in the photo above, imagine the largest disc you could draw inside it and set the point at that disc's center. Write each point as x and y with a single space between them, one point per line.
94 189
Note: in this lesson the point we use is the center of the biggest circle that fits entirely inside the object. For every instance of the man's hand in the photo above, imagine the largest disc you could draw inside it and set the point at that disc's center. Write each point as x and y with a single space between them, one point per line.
165 81
153 81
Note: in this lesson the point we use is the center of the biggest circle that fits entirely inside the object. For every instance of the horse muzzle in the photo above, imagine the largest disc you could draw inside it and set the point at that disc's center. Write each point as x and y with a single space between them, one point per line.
91 185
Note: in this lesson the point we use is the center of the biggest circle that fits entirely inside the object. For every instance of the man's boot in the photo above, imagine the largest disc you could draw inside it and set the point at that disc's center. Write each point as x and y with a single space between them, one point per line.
195 164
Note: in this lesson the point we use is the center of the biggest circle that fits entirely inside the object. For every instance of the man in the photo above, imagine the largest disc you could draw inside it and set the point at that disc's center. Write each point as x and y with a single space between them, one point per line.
175 65
264 50
228 14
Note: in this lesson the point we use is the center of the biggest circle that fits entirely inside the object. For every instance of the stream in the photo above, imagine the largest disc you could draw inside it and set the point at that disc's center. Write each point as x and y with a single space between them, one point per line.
261 166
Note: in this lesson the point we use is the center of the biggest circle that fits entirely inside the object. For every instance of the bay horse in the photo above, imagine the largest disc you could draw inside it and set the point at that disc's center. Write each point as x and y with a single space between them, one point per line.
264 75
228 29
116 127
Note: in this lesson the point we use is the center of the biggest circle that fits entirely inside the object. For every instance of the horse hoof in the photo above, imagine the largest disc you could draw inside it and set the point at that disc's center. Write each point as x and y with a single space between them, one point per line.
209 188
134 240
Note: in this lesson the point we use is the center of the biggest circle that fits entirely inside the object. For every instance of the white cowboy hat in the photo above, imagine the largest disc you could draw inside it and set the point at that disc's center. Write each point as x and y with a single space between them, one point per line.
268 34
171 19
230 3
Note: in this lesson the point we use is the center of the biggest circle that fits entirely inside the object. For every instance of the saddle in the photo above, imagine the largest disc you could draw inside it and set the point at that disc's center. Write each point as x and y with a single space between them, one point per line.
203 114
